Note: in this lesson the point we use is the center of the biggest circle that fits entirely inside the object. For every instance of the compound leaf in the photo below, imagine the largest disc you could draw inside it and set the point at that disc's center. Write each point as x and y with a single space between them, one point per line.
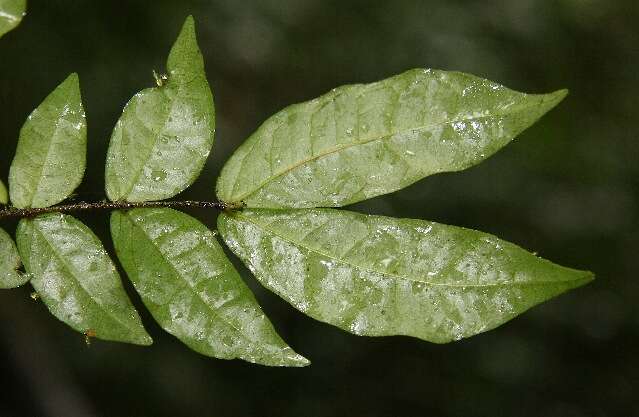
10 277
361 141
191 288
379 276
162 140
76 279
11 14
51 155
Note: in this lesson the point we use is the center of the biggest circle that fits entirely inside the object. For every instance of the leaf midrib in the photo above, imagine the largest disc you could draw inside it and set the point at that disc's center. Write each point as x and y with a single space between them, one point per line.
177 273
399 277
136 176
39 177
337 149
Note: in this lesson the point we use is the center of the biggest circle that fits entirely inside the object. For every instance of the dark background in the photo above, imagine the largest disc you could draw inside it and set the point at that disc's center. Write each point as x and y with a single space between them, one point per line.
568 188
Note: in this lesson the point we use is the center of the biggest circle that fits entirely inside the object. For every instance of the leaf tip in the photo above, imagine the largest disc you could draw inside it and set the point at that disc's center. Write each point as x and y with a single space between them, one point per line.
584 277
295 360
564 92
69 90
144 340
72 81
188 27
550 100
185 56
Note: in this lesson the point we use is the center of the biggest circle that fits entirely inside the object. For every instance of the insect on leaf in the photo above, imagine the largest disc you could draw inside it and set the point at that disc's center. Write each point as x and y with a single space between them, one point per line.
11 14
361 141
76 279
10 277
191 288
51 155
165 134
379 276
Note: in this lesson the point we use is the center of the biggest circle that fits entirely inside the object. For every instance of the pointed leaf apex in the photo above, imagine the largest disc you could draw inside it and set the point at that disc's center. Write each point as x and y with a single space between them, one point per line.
298 361
556 97
578 278
72 82
69 89
144 340
585 277
189 21
185 60
188 29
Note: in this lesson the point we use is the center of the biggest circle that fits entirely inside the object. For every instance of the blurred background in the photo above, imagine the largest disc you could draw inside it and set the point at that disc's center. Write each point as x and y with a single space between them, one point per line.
567 188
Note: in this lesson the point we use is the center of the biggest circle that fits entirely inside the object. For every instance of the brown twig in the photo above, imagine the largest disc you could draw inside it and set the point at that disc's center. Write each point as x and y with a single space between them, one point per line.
10 212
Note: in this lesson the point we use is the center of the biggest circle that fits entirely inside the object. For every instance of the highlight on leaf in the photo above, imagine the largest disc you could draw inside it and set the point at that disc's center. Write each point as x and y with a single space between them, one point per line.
380 276
11 14
165 133
75 278
193 290
369 275
51 156
364 140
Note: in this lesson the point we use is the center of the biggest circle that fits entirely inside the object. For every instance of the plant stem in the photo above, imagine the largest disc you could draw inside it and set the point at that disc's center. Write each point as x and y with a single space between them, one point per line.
108 205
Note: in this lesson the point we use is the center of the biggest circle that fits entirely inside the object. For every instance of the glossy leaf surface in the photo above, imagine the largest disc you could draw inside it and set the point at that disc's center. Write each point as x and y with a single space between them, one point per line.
378 276
165 134
51 155
76 279
11 14
191 288
10 277
361 141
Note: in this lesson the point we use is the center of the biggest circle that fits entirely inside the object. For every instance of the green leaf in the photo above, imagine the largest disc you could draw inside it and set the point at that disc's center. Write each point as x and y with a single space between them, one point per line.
361 141
4 196
161 142
51 156
192 289
379 276
76 279
9 263
11 14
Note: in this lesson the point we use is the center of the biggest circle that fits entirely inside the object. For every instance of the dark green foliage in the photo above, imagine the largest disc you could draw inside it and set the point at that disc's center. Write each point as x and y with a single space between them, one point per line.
369 275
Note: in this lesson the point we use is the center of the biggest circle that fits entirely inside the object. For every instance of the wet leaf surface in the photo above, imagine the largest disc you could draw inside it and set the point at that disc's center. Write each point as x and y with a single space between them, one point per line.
76 279
191 288
361 141
378 276
51 155
162 140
